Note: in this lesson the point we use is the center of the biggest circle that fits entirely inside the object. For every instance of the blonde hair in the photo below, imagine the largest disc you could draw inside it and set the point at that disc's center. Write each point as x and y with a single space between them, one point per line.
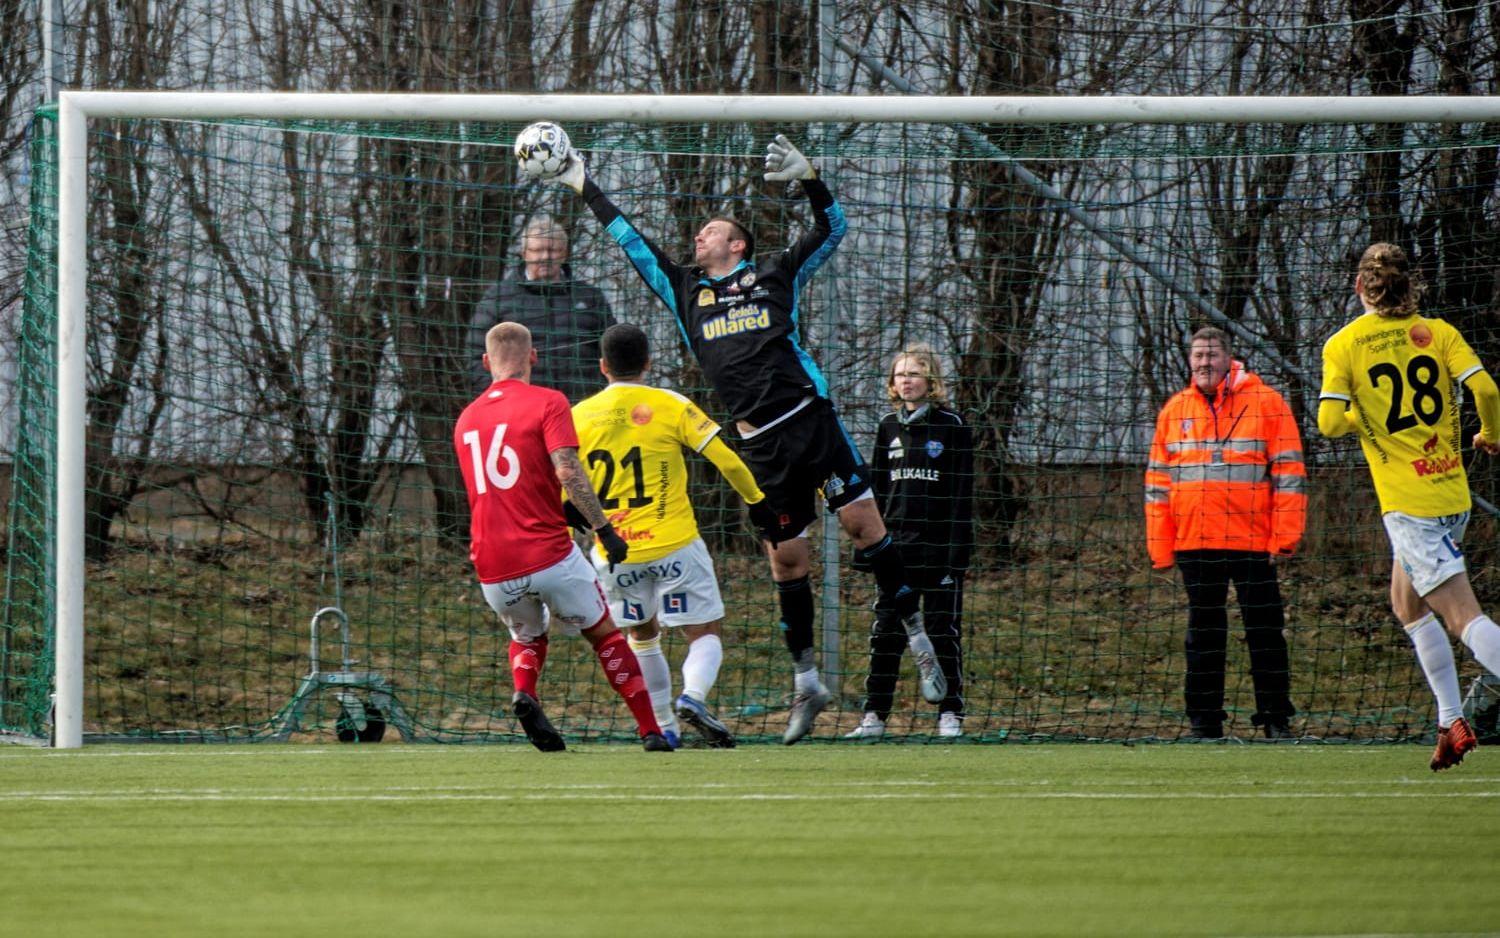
1386 281
508 345
921 353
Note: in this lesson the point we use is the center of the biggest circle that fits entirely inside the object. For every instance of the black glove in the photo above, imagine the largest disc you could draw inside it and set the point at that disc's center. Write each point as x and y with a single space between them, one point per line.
575 518
614 545
768 521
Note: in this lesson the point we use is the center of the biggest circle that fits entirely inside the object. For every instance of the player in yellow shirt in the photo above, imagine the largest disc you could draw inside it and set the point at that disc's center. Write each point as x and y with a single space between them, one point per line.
631 437
1391 376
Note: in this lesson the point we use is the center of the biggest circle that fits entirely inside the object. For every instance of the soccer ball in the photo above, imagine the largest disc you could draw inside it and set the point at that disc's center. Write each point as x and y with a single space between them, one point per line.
542 150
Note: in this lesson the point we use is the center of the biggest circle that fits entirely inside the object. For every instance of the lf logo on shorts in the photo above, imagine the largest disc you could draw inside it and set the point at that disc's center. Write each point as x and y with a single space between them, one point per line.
675 603
633 611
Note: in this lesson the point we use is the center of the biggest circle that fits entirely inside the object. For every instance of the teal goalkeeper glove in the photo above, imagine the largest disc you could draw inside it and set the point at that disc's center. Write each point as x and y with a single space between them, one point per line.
573 174
785 162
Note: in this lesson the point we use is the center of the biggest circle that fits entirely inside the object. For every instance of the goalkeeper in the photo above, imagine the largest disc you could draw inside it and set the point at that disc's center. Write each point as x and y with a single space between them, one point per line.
740 320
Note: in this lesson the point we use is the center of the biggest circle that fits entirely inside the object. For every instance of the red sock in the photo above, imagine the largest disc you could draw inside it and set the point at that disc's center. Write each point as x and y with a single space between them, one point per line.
526 660
624 674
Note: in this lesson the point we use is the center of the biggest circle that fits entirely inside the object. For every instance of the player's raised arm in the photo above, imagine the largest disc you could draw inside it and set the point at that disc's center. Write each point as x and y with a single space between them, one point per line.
785 163
659 271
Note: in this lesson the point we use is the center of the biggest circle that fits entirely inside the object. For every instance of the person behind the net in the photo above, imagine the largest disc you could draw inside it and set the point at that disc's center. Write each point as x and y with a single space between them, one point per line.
1391 377
740 320
1226 500
632 437
565 315
518 452
924 483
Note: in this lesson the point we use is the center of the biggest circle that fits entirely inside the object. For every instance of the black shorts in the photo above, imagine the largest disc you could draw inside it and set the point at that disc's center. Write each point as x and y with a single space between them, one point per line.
806 456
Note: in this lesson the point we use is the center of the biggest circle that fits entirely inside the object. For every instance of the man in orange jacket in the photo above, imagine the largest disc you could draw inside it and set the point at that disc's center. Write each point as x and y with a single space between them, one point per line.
1225 498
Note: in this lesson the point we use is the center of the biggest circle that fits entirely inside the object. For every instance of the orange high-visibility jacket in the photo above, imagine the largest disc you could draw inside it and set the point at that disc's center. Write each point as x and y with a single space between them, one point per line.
1226 473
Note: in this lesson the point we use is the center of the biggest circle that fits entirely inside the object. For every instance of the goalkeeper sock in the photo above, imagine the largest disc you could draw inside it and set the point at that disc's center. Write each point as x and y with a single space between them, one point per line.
624 674
701 668
526 660
1483 638
658 677
1435 654
884 558
796 600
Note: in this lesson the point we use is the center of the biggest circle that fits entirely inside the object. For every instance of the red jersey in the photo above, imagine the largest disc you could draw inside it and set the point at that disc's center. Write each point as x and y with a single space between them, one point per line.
505 440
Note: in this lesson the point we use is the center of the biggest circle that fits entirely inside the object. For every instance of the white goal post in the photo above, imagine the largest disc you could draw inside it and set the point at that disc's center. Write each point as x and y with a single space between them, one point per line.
75 108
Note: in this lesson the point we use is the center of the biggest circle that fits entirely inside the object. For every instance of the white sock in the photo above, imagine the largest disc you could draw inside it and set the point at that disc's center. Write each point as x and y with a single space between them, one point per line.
807 681
658 677
1435 654
701 668
1483 638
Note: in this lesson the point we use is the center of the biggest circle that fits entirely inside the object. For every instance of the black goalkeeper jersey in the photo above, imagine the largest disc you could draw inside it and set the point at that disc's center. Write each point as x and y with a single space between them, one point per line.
923 476
742 327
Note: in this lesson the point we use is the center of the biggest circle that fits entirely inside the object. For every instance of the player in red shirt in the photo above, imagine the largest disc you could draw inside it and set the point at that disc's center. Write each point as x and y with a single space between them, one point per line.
518 450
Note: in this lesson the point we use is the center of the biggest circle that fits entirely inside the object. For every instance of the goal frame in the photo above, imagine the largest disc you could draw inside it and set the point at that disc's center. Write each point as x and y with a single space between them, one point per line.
76 108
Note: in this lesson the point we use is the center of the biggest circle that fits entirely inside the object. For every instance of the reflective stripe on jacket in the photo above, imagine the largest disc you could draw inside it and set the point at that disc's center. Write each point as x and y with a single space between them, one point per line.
1226 473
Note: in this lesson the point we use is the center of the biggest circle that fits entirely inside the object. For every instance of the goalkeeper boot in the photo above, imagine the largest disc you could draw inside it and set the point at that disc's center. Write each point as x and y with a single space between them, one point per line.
1452 743
806 706
692 712
870 727
655 742
934 683
538 728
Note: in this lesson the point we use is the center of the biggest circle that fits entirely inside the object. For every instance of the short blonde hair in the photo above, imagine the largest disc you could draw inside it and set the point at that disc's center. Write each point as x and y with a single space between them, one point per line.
922 354
509 346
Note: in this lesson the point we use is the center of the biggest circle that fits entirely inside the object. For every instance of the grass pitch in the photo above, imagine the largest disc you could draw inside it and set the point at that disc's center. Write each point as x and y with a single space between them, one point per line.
814 840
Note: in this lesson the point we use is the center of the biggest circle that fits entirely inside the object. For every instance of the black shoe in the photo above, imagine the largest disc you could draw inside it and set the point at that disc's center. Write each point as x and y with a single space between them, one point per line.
655 742
1207 731
535 723
1277 731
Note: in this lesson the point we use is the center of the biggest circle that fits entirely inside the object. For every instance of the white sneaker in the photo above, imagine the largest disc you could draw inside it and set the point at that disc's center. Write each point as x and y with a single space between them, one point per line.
871 727
950 724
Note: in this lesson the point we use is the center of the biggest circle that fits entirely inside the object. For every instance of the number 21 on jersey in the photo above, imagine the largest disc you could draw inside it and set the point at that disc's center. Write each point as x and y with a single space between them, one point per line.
487 465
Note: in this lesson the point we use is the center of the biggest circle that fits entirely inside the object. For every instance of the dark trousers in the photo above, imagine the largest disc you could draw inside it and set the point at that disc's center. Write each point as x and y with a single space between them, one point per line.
942 613
1207 575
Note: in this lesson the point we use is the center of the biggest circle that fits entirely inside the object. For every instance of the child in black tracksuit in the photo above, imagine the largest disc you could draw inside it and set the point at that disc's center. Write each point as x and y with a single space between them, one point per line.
923 477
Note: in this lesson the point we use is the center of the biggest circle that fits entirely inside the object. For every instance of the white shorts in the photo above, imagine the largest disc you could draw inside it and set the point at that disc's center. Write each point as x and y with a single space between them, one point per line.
567 591
679 589
1427 548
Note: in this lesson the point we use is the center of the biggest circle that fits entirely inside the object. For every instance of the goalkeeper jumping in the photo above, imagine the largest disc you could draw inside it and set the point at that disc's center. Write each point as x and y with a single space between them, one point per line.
740 320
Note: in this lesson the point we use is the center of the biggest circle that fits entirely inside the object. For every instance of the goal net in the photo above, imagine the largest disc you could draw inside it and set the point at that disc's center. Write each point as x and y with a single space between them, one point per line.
278 340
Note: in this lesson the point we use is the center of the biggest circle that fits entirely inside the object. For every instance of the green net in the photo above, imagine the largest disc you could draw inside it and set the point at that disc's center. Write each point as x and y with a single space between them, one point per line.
278 345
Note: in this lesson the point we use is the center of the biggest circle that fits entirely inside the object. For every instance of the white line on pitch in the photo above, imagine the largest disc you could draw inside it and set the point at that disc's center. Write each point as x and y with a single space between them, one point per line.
417 797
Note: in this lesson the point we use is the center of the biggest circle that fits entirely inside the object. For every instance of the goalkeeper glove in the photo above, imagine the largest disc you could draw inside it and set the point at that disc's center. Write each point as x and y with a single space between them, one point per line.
785 162
614 545
573 174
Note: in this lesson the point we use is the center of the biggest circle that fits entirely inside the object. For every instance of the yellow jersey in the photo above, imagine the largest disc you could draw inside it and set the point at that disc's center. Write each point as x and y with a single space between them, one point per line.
630 438
1399 379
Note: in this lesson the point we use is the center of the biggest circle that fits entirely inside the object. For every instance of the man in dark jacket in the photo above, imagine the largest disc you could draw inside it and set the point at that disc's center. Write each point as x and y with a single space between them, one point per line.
565 316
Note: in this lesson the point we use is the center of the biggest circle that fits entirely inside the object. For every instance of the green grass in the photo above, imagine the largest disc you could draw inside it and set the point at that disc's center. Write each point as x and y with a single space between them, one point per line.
815 840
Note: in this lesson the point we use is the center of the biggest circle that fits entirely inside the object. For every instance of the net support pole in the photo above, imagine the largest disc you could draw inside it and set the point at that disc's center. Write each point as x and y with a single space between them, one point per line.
827 298
72 197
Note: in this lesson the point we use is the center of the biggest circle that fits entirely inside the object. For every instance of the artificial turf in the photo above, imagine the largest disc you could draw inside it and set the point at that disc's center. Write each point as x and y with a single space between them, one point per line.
813 840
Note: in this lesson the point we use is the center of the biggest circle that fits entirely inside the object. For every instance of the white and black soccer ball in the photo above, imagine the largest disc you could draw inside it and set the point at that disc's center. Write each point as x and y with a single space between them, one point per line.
542 150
